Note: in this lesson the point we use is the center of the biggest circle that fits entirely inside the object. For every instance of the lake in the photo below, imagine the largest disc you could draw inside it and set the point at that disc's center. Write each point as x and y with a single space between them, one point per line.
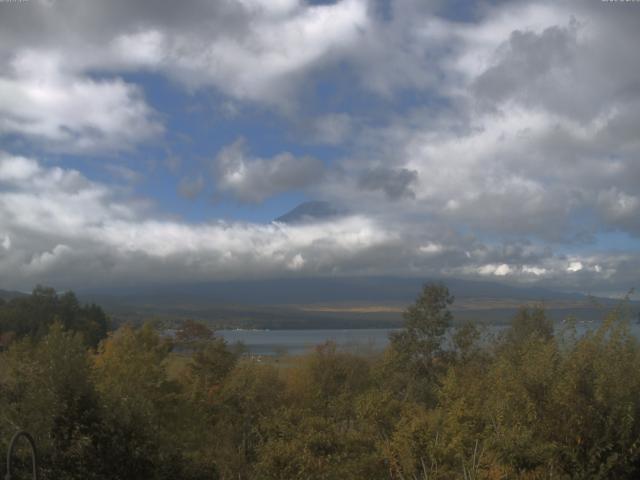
296 342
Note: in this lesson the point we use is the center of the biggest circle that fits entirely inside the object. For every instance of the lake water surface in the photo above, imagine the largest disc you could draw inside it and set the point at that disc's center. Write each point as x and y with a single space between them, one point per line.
295 342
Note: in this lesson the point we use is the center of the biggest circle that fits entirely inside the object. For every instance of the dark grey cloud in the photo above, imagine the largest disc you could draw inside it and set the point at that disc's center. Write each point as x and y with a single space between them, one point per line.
526 63
395 183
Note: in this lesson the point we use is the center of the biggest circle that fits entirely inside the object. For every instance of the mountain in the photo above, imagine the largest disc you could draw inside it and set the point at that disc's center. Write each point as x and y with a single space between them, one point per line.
349 302
9 294
296 291
310 211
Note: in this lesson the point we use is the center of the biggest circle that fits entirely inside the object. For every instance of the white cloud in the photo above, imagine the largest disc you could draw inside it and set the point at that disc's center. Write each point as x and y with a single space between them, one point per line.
574 266
296 263
524 133
66 228
431 248
535 137
248 50
498 270
46 261
537 271
273 44
15 169
71 113
144 49
253 179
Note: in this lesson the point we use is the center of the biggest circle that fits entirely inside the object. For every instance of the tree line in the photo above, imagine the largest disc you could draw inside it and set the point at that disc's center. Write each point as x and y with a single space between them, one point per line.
439 403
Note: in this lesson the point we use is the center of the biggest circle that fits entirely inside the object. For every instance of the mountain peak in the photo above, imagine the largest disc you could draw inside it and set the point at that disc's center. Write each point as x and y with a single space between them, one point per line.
309 212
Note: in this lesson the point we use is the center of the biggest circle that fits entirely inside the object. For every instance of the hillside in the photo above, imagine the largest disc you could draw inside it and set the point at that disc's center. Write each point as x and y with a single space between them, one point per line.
353 302
9 294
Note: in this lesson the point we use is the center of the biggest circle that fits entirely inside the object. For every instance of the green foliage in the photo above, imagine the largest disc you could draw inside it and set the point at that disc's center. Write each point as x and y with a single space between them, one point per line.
416 357
192 333
251 394
426 322
307 446
33 315
326 380
542 407
530 321
46 388
437 404
141 413
209 365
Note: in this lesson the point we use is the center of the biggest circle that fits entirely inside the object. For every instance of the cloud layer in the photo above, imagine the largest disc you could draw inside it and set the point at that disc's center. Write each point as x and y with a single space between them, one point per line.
58 226
498 141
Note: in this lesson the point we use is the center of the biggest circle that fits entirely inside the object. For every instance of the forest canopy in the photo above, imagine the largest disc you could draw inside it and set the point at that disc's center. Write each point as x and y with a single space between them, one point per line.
33 315
438 403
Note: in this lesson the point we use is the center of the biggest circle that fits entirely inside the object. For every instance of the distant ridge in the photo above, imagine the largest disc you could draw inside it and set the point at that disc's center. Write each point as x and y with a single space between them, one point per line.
9 294
309 212
319 303
283 291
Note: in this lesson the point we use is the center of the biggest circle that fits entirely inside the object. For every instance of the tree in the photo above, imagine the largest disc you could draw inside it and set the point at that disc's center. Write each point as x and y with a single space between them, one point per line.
47 389
140 434
250 393
530 321
320 432
209 365
416 351
32 316
192 333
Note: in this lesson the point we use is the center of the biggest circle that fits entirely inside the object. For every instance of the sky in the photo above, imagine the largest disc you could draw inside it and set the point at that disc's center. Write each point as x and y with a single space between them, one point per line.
157 141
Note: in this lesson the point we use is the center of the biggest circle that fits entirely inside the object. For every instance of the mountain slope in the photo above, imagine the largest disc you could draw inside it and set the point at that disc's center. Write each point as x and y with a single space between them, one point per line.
310 211
9 294
297 291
